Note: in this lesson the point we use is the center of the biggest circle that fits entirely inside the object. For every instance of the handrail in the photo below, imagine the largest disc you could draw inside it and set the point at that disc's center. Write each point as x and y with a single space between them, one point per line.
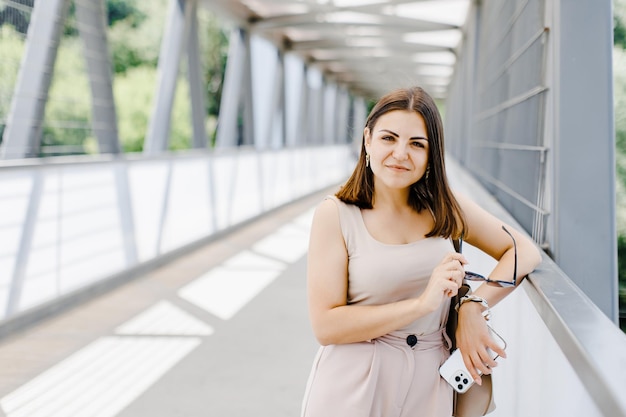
592 343
107 158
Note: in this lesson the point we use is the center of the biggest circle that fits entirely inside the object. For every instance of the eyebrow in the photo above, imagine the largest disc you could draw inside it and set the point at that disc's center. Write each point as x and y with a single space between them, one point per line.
396 135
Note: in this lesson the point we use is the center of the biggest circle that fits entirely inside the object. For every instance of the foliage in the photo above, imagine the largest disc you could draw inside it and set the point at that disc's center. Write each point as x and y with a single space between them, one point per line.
134 92
68 110
11 49
15 17
138 46
214 52
134 37
619 23
619 89
135 42
124 10
619 33
621 268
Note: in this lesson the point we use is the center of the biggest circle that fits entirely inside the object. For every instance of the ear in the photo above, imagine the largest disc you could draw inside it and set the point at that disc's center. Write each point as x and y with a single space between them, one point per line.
367 137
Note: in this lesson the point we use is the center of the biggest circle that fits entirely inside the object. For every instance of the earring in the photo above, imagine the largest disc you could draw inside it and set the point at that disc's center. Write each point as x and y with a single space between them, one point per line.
367 159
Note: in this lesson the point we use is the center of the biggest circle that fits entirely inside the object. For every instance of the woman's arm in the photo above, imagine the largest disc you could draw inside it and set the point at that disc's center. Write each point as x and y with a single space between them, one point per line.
334 321
485 232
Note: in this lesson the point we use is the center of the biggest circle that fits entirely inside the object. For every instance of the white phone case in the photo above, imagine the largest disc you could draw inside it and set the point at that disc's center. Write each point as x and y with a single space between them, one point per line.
456 374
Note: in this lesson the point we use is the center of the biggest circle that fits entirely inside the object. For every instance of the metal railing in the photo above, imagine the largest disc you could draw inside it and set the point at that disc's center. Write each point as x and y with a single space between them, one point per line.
71 225
565 357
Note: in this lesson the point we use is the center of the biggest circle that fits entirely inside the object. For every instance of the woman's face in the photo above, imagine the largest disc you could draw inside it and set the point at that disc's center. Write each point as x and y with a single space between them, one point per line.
398 149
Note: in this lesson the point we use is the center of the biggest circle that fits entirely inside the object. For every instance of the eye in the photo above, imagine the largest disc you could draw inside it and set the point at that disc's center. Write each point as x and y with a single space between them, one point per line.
418 144
388 138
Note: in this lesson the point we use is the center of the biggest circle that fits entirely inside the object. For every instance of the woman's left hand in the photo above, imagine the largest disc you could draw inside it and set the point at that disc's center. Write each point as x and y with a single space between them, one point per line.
473 338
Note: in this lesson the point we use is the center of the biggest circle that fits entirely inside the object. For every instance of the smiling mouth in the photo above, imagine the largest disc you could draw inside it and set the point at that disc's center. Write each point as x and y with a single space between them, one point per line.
397 167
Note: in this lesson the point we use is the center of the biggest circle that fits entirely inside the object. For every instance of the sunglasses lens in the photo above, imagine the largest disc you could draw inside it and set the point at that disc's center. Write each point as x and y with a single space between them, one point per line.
505 284
472 276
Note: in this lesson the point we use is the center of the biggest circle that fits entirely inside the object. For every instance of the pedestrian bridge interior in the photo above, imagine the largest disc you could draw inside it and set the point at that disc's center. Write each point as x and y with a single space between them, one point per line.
161 282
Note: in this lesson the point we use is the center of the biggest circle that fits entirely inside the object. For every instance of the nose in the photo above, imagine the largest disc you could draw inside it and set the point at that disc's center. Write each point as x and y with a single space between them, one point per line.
400 152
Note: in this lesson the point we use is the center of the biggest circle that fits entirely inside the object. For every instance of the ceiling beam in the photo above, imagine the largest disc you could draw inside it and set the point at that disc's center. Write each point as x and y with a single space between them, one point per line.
368 19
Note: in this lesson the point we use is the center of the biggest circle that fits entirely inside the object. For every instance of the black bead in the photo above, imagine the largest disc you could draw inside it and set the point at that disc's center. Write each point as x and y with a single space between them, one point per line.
411 340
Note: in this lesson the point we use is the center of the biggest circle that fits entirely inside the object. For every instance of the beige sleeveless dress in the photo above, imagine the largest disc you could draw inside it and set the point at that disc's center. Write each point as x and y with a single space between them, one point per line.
384 377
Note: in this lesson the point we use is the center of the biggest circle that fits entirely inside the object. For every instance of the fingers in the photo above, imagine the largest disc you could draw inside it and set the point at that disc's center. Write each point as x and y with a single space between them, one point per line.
448 276
497 351
480 363
483 360
455 256
452 267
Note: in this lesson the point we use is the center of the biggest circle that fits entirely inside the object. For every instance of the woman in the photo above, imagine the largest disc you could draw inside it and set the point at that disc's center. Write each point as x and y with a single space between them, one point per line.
382 270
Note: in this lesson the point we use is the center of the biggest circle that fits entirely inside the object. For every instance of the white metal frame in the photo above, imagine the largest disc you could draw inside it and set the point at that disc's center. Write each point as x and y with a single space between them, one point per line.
69 225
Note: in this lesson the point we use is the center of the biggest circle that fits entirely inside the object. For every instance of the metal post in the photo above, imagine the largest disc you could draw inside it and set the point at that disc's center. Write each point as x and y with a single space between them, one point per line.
276 114
22 136
329 113
125 207
300 130
26 240
91 20
196 81
229 107
174 38
282 100
584 162
341 122
246 94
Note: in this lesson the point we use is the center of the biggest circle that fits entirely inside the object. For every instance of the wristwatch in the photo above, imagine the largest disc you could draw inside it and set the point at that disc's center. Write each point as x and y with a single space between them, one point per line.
476 299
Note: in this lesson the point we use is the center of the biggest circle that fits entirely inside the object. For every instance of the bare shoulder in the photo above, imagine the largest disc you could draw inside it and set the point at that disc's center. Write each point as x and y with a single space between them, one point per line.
326 237
327 212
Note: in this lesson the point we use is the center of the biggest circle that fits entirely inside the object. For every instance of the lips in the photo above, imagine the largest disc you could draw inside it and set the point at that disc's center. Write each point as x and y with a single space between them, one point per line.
398 167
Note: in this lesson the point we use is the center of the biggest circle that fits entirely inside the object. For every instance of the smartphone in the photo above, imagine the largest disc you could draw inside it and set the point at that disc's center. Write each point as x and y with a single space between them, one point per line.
456 374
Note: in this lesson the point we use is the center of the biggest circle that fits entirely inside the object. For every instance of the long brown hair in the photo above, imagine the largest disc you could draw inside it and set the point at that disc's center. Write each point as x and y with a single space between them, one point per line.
430 192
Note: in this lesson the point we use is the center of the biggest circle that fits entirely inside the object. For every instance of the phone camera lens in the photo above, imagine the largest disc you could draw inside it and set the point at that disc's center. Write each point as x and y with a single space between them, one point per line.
460 387
465 381
457 378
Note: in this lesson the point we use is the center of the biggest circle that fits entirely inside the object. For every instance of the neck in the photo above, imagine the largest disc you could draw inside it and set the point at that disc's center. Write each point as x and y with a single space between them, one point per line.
394 200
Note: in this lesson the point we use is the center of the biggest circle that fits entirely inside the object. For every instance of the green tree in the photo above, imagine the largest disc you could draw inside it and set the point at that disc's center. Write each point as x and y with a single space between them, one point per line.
619 33
19 19
619 23
134 42
621 268
134 92
67 120
134 35
619 88
214 53
124 10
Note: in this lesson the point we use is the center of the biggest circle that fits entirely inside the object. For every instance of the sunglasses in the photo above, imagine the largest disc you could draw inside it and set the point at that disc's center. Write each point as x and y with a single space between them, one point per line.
472 276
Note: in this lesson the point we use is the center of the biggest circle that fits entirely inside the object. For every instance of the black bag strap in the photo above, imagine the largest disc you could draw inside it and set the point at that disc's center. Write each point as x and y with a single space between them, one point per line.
457 244
453 314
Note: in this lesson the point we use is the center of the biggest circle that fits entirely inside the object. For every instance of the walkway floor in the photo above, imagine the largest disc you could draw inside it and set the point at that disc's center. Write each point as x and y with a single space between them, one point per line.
169 345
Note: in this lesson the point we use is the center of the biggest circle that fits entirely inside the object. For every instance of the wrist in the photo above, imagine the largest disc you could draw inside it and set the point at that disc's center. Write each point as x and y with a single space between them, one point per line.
422 306
476 303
